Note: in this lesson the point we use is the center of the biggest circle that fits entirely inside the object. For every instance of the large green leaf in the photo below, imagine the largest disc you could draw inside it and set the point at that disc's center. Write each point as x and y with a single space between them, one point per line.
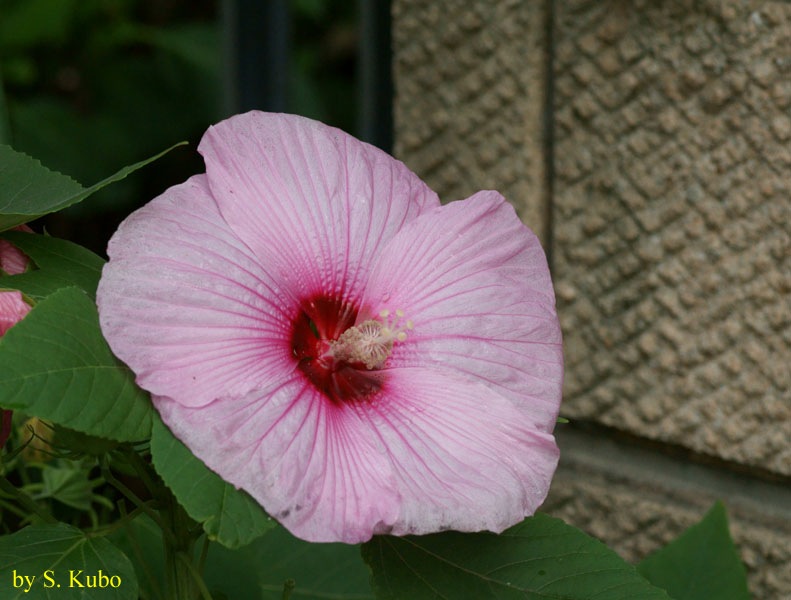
29 190
55 364
541 558
701 564
60 264
319 571
228 515
56 550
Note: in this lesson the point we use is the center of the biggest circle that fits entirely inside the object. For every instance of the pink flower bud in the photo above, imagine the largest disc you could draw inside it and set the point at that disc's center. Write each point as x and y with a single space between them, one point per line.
12 260
12 309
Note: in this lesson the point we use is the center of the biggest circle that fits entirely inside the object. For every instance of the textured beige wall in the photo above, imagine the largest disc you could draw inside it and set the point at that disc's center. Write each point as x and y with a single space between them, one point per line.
468 115
671 234
673 210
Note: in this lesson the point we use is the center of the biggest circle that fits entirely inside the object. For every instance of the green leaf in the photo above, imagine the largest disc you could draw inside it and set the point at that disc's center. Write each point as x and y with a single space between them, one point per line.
60 264
541 558
81 443
701 564
68 483
29 190
56 550
55 365
228 515
258 570
141 541
320 571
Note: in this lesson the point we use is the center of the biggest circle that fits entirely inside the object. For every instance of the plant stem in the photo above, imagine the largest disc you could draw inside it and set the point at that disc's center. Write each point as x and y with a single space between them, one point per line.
25 501
180 572
108 477
139 553
144 469
288 587
179 532
204 551
202 589
11 508
122 522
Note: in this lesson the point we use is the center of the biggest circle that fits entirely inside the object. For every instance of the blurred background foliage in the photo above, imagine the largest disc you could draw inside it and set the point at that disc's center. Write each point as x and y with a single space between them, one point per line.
88 86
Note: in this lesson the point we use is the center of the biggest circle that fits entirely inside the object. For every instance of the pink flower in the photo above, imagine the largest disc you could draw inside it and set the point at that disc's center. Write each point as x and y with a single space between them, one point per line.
318 330
12 260
12 308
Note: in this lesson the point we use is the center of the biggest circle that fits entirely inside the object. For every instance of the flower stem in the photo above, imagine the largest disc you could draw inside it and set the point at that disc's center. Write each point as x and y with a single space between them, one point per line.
204 551
182 579
25 501
109 478
125 519
202 589
181 575
157 591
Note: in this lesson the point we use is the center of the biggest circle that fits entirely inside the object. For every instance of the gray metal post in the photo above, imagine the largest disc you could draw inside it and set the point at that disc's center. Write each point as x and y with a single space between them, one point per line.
375 81
257 49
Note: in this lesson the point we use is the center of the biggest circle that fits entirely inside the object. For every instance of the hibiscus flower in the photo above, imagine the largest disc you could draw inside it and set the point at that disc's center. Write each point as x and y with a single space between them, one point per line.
323 334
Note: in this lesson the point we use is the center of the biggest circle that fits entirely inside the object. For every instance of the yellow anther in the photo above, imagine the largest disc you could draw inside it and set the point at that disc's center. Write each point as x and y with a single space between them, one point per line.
399 313
384 313
401 336
409 325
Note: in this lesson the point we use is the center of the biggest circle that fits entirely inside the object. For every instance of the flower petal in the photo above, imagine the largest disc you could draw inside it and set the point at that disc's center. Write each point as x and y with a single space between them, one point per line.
185 304
312 202
464 457
12 309
310 464
12 260
432 452
475 283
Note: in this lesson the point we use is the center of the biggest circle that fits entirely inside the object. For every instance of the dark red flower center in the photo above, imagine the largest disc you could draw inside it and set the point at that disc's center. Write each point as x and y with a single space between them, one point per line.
322 320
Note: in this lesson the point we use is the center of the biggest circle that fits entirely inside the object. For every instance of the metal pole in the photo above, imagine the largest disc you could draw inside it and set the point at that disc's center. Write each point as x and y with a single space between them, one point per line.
375 79
257 54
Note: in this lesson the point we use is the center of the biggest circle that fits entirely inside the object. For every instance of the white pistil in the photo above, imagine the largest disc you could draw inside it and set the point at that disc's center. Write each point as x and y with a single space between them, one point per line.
371 342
